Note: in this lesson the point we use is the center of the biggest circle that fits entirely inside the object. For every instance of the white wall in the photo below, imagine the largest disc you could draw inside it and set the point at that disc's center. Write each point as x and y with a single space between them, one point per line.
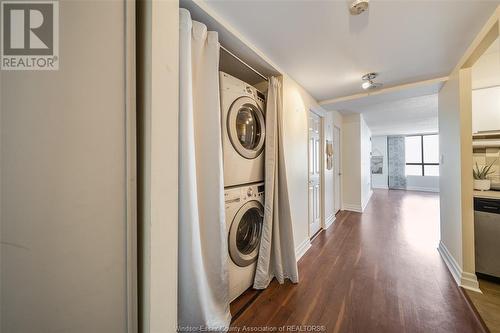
356 147
328 174
332 119
422 183
379 148
351 162
64 181
450 170
366 146
296 104
159 137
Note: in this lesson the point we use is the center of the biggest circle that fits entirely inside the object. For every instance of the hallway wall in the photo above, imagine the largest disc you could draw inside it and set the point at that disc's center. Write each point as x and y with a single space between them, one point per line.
356 148
329 188
351 162
158 136
366 148
64 194
296 104
455 145
457 240
379 148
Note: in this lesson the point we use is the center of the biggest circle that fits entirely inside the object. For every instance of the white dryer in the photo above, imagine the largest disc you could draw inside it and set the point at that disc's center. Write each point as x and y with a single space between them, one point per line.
243 131
244 221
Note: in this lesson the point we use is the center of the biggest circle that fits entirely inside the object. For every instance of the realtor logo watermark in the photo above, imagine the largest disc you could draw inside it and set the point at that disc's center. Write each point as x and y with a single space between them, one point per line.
30 35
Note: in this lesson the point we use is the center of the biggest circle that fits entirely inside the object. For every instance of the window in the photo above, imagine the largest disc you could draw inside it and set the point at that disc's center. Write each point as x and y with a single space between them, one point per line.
422 155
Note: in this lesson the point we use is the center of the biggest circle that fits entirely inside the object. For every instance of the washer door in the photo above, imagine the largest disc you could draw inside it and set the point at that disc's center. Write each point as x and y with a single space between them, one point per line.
245 232
246 127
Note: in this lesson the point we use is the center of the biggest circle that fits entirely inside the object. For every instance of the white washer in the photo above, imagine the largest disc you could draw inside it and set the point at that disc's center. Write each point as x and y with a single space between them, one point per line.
243 131
244 219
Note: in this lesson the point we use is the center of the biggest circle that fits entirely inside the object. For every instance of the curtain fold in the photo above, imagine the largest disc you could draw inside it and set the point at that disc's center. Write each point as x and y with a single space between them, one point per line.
396 162
203 289
277 249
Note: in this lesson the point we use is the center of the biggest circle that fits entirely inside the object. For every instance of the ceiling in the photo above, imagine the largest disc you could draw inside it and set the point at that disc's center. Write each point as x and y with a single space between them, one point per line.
415 115
327 50
362 103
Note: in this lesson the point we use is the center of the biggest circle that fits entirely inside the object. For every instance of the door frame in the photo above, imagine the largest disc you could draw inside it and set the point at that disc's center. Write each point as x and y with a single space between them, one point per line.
321 114
337 155
131 197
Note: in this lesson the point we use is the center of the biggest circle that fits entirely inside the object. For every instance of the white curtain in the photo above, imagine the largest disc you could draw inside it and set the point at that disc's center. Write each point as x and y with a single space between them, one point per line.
203 278
277 249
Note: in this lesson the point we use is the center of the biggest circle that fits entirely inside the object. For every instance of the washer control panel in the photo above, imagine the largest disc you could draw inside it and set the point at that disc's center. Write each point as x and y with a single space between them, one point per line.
236 195
253 191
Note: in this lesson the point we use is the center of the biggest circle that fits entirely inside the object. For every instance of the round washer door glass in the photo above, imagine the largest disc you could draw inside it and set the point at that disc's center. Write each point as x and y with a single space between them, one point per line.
246 127
245 233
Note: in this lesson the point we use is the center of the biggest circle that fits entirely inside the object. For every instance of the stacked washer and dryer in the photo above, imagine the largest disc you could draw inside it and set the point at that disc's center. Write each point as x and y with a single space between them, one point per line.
243 131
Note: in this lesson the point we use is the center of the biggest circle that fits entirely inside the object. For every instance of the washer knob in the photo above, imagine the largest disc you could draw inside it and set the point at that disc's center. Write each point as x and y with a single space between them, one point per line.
249 192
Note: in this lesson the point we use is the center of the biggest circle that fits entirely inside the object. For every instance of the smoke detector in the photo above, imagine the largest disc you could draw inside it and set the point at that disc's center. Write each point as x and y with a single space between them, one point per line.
358 6
369 84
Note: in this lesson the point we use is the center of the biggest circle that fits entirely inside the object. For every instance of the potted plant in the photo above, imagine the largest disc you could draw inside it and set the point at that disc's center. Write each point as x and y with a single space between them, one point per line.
481 173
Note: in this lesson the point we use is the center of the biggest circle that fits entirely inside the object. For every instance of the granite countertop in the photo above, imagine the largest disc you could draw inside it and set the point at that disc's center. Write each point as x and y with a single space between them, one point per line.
487 194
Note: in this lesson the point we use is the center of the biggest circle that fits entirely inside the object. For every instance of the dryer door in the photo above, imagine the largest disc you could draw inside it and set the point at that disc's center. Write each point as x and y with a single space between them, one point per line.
245 232
246 127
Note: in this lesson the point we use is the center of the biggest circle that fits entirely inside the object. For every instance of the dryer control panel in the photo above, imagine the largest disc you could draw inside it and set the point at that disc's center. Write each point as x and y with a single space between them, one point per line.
231 83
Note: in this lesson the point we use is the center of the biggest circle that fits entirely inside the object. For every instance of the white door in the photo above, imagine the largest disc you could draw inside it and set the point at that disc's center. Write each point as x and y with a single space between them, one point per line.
314 173
336 169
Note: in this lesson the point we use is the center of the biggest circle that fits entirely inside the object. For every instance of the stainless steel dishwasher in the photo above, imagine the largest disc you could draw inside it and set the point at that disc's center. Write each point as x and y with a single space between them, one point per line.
487 237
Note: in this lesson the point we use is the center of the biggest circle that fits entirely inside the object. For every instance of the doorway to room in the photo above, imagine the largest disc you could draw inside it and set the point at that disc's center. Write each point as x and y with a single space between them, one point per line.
337 173
315 172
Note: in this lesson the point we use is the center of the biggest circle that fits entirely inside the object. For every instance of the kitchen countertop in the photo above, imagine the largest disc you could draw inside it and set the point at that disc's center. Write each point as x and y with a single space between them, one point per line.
487 194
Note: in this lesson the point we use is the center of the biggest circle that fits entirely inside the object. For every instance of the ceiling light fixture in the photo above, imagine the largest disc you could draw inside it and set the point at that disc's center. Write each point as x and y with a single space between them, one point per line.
358 6
369 84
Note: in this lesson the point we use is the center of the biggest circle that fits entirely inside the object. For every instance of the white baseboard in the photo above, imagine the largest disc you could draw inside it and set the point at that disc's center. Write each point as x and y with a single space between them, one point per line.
352 207
450 262
465 280
422 189
329 221
367 201
469 281
302 248
380 187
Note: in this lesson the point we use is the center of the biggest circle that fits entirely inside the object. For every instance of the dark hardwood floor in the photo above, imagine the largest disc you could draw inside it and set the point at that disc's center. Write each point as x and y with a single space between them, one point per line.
373 272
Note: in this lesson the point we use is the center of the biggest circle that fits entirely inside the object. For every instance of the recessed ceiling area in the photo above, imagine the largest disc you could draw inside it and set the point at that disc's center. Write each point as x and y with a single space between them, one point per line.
327 50
415 115
401 110
360 103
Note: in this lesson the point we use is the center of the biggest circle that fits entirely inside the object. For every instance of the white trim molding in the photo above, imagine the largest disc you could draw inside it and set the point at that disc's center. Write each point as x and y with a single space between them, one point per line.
422 189
367 200
390 89
465 280
380 187
329 221
302 248
352 207
469 281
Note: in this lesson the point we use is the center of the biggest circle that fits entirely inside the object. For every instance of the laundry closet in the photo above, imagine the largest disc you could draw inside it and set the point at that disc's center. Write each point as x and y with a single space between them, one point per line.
226 88
243 113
